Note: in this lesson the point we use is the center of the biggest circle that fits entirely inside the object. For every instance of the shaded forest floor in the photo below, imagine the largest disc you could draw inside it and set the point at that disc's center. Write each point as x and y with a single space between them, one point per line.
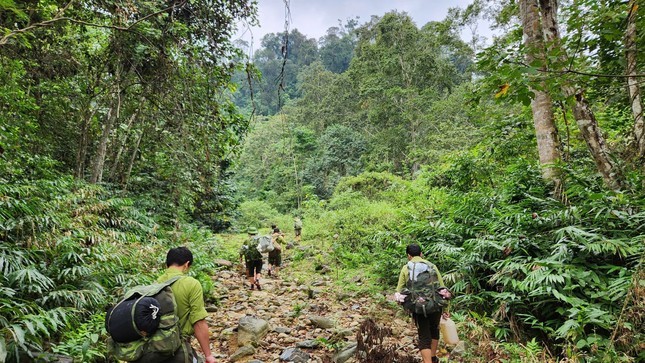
287 303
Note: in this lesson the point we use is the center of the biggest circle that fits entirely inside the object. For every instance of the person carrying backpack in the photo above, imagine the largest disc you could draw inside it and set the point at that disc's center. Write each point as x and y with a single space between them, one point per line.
253 259
189 297
297 228
275 256
421 290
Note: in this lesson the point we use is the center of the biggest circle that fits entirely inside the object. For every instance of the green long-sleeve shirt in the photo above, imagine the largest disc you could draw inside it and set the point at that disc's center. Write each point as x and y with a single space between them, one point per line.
403 276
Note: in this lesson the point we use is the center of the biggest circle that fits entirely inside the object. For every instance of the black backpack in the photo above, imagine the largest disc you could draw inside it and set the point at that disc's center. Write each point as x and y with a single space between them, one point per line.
144 325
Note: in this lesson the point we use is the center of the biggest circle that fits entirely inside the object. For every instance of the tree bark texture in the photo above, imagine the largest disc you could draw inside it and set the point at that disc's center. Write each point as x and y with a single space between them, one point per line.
589 129
541 105
116 163
83 141
133 156
636 103
584 116
101 150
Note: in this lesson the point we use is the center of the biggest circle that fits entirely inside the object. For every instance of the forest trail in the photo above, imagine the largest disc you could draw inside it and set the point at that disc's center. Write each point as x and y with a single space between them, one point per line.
287 304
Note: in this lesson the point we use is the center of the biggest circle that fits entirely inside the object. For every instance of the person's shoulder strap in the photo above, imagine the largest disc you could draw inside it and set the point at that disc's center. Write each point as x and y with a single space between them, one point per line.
171 280
151 289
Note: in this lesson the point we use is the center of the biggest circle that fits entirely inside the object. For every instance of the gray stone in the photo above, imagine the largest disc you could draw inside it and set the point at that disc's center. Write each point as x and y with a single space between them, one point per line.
321 322
237 308
223 262
211 308
459 349
255 361
242 352
345 354
251 330
344 332
312 293
294 355
290 245
310 344
282 330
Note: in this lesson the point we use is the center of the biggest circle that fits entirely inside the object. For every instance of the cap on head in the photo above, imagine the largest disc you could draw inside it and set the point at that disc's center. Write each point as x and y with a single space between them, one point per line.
252 230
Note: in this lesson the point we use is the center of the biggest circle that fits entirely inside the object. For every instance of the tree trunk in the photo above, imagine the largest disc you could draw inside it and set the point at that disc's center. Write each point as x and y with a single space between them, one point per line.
126 176
589 129
632 81
101 150
83 140
546 131
582 112
122 145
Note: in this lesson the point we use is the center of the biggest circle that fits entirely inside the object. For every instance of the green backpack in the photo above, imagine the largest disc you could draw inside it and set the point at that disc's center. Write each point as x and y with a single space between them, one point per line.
250 250
422 290
158 345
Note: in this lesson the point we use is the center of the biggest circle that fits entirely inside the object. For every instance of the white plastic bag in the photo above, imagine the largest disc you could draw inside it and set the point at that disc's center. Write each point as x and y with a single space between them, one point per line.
448 331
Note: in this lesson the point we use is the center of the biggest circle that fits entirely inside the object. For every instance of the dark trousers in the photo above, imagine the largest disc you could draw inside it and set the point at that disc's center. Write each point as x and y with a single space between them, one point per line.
428 328
253 267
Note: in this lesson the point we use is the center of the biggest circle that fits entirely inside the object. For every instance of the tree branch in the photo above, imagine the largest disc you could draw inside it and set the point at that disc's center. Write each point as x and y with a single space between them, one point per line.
5 39
573 71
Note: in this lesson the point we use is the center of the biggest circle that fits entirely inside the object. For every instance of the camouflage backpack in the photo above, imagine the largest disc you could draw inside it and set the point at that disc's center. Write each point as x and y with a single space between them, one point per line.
149 346
250 250
422 290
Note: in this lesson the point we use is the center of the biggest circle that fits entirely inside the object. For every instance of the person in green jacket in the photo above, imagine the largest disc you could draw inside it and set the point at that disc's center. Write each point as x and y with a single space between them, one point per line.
189 297
297 228
253 259
427 326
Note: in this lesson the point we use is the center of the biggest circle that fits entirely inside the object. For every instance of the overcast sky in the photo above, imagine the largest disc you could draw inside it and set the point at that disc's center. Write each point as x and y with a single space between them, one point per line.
314 17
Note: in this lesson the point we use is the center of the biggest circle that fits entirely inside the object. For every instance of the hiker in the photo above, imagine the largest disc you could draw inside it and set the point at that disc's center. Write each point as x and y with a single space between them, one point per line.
427 324
275 256
189 298
297 228
253 259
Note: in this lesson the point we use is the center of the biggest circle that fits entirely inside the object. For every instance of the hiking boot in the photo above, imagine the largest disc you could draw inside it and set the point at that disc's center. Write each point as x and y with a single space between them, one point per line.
269 271
252 286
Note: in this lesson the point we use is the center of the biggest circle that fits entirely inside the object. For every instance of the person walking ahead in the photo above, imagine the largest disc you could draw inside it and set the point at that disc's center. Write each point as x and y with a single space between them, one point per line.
253 259
427 324
297 228
189 298
275 256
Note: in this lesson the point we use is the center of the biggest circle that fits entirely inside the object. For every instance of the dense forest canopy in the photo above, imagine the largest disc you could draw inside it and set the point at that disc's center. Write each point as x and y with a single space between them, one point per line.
517 165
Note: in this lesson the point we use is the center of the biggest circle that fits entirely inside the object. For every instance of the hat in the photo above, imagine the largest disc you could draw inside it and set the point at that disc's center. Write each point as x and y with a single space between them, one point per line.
252 230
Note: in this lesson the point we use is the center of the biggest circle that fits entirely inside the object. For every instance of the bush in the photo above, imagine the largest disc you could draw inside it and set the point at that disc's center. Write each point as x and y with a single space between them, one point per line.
256 213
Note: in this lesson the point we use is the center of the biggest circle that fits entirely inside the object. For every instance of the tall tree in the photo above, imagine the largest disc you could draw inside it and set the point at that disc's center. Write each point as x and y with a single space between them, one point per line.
546 131
631 52
337 46
582 112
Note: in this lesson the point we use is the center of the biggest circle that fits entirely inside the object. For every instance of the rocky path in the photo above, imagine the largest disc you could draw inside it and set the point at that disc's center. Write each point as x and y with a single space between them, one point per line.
304 321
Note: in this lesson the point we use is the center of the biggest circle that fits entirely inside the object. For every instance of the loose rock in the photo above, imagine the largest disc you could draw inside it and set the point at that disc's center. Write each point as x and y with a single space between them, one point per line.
242 352
251 330
321 322
294 355
345 354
